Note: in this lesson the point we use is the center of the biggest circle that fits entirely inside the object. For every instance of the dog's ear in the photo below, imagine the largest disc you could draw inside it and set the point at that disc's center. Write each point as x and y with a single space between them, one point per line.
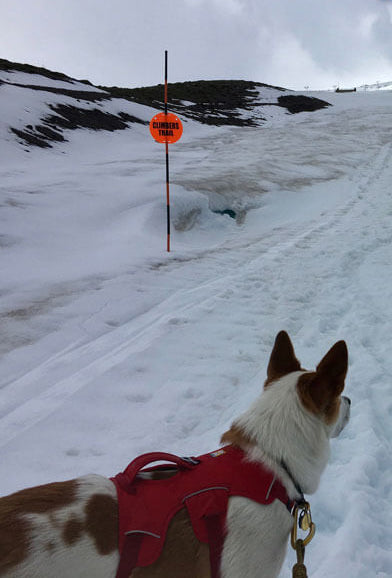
282 360
320 390
334 365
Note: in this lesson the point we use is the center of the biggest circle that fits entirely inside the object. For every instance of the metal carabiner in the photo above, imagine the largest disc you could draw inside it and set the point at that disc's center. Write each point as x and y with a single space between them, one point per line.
302 520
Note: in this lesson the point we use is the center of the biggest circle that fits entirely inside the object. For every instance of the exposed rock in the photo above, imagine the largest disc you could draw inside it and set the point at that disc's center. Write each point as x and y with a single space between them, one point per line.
300 103
215 102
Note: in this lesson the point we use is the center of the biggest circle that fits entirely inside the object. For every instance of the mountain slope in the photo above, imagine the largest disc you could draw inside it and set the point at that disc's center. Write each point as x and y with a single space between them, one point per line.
221 102
377 86
78 104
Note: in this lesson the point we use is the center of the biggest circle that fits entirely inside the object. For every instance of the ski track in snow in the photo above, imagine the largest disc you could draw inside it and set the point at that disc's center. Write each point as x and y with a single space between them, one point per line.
102 354
178 370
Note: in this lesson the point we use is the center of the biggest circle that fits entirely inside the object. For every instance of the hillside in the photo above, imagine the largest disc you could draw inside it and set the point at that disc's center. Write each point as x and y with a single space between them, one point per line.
376 86
221 102
79 104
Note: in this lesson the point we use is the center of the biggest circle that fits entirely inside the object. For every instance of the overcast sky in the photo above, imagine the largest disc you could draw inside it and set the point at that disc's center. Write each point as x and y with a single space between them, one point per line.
290 43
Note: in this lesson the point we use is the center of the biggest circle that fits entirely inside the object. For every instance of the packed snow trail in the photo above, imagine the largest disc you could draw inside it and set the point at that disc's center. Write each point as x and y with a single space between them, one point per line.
163 354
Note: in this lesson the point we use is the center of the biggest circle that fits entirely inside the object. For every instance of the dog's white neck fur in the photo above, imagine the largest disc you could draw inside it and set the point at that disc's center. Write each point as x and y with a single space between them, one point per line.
284 431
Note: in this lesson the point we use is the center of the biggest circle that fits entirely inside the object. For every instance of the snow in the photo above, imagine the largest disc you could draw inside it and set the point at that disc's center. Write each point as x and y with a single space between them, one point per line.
111 347
377 86
17 77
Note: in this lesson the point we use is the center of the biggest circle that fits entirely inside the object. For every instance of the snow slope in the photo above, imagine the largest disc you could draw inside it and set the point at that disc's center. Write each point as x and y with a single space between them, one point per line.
111 347
377 86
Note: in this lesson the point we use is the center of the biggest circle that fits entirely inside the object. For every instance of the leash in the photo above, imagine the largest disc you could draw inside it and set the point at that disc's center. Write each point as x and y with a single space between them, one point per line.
303 521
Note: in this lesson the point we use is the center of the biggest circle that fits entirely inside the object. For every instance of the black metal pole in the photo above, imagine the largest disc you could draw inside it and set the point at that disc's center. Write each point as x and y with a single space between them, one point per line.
167 165
165 81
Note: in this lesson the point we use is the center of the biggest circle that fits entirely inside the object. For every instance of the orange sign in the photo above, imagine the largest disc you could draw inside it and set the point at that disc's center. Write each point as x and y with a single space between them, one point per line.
166 127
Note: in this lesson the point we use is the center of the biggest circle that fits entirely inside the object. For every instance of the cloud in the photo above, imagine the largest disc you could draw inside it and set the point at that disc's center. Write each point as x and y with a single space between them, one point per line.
281 42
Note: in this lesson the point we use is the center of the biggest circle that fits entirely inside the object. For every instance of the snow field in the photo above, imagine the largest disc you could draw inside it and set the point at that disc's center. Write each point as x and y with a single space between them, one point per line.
110 347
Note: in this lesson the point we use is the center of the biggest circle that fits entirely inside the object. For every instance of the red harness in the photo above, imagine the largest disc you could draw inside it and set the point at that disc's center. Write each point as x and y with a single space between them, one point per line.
203 485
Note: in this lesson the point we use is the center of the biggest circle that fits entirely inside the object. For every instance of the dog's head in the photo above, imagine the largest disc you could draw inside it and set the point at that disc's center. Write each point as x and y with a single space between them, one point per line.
319 391
297 413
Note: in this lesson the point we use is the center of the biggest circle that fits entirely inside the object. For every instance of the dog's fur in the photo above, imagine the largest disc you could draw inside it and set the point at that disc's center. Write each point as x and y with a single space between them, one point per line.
69 529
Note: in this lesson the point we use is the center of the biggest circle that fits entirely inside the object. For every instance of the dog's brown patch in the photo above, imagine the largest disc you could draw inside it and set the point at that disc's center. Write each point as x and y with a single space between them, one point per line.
316 398
320 391
41 499
50 547
14 540
183 555
102 522
237 437
332 413
15 530
73 531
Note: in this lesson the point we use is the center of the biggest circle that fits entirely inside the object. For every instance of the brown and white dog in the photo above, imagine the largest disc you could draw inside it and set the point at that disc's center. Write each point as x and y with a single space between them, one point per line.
69 529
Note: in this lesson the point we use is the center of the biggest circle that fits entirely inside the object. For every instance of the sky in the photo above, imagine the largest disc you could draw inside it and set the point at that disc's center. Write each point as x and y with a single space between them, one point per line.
291 43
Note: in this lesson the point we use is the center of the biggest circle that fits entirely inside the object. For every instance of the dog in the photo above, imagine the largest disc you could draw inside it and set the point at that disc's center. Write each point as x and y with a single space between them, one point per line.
70 529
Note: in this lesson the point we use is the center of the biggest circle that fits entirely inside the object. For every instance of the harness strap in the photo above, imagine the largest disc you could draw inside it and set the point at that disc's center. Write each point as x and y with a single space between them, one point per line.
133 542
129 555
127 477
215 541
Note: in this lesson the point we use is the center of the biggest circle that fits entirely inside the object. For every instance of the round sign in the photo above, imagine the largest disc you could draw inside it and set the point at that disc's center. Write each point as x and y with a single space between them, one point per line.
166 127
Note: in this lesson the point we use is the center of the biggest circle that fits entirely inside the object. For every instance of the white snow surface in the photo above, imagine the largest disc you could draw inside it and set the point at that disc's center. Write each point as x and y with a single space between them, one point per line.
111 347
377 86
25 78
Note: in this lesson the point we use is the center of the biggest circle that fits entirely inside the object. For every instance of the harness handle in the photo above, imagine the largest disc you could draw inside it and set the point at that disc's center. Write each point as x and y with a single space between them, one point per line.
127 477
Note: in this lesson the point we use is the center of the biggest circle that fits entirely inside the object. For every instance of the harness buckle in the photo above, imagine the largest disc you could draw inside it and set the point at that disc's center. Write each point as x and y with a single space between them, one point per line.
190 460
